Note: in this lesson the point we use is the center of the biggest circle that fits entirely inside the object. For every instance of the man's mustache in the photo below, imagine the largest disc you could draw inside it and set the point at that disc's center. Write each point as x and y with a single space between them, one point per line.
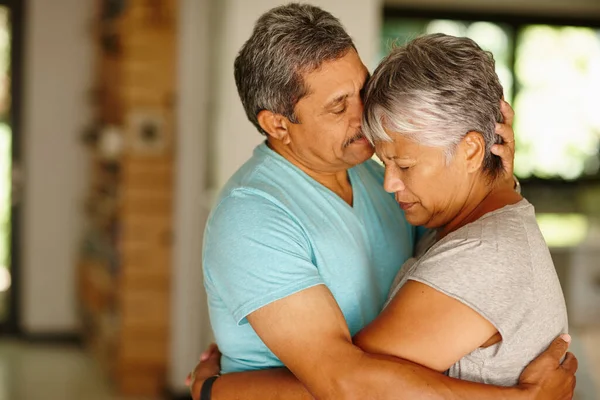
354 138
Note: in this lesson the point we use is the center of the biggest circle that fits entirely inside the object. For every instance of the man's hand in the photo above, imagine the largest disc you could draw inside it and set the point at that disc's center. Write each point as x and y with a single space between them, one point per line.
209 365
546 377
506 151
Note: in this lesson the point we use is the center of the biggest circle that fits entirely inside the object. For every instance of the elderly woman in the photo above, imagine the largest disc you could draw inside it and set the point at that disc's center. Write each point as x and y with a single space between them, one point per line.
481 299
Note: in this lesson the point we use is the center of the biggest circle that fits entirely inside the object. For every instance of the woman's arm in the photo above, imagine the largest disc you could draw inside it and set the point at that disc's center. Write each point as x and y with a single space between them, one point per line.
427 327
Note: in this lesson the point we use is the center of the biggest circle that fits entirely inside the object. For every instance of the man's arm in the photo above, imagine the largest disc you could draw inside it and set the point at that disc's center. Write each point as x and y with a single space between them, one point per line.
308 333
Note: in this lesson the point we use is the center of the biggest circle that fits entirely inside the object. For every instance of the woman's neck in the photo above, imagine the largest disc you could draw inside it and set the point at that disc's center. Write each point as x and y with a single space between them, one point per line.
482 201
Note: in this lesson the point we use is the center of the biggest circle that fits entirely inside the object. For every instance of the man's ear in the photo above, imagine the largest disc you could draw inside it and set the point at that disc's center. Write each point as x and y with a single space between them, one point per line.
474 150
276 125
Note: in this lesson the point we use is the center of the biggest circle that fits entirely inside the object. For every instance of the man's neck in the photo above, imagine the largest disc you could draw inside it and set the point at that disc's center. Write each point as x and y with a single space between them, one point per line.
336 181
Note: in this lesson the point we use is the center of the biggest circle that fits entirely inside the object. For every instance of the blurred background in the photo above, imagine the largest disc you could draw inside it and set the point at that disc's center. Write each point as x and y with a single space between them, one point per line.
120 121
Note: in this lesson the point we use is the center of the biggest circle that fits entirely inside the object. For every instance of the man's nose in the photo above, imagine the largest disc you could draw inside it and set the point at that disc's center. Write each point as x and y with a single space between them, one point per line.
356 110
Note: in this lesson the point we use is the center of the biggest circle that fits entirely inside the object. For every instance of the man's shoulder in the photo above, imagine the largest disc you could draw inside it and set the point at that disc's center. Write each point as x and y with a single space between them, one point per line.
246 206
266 177
251 203
371 166
248 176
371 170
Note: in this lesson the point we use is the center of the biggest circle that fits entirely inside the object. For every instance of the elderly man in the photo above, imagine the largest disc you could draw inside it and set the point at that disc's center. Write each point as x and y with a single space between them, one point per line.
303 244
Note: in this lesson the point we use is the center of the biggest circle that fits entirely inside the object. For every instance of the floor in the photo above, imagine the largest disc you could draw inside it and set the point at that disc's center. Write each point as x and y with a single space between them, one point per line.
50 372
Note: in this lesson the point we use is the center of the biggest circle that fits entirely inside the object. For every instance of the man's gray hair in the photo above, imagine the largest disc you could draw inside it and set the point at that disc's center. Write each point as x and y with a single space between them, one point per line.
287 41
434 90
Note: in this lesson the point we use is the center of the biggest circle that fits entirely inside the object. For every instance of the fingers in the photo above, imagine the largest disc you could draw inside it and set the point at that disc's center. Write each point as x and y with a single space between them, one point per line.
507 112
209 351
570 364
506 132
572 385
501 150
558 348
506 155
195 390
506 150
508 137
214 356
189 380
211 354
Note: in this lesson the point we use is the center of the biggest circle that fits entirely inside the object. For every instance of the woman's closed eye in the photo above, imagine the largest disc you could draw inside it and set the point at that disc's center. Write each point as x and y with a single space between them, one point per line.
340 111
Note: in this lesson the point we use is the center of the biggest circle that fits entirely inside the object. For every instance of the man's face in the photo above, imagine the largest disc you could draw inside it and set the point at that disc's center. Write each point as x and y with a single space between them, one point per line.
328 137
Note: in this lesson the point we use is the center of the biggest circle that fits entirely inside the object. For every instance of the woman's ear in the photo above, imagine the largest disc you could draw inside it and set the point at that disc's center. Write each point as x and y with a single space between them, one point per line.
276 125
474 150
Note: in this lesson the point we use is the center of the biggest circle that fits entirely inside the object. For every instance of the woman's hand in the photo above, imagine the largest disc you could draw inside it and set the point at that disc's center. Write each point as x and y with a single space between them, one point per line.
209 365
506 151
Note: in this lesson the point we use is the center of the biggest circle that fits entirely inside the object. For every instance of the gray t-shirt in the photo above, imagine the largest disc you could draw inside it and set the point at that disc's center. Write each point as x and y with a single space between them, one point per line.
499 266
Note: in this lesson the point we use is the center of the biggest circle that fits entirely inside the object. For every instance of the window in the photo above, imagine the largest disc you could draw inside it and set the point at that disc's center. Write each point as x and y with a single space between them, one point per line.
551 76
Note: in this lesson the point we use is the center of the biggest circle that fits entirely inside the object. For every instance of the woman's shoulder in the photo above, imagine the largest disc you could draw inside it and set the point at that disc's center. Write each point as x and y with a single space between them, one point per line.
503 229
511 214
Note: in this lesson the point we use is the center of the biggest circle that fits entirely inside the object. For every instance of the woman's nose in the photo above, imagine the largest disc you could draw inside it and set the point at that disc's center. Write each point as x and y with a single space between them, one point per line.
392 182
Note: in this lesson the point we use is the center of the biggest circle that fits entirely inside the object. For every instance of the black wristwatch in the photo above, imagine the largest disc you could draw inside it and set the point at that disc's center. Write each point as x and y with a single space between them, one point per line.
207 387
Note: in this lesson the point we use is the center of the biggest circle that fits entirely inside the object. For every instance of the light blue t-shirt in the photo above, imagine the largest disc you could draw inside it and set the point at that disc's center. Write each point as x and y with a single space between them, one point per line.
275 231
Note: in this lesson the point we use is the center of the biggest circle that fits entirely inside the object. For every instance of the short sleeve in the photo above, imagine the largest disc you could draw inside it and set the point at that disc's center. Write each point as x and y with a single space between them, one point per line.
490 279
255 253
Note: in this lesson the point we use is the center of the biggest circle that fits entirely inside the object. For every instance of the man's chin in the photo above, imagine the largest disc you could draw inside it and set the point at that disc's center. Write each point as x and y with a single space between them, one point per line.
358 153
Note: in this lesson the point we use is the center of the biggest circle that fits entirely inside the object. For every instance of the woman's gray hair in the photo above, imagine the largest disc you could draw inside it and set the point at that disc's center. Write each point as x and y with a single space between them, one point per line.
287 41
434 90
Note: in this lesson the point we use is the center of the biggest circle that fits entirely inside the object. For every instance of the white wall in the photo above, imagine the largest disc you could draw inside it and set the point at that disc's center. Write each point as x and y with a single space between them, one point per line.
57 78
190 329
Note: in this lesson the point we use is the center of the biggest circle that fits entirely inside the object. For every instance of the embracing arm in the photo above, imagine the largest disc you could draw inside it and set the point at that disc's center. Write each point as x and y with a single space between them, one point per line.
427 327
308 333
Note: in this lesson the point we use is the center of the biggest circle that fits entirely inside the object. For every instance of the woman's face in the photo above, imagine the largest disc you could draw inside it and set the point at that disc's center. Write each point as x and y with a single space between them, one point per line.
430 190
